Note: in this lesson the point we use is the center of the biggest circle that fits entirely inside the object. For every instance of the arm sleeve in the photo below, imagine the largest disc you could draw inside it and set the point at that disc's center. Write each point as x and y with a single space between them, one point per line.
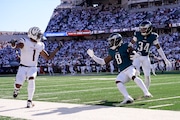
156 41
98 60
161 53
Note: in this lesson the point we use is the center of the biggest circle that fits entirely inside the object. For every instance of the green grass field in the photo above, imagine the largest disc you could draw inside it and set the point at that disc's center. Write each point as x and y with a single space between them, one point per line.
98 90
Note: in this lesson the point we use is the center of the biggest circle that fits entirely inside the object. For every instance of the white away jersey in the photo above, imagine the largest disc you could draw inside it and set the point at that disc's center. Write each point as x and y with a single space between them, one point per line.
30 52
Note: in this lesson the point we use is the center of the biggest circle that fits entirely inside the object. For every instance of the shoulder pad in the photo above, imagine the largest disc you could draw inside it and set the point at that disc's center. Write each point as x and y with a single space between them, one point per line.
155 34
22 40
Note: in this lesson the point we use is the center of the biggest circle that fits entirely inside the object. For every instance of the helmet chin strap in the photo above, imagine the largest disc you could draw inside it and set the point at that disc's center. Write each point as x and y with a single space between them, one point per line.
113 47
144 34
38 40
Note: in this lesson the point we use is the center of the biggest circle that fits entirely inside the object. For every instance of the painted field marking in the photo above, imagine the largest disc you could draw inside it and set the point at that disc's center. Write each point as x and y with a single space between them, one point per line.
160 99
51 98
93 102
64 85
158 106
98 79
133 86
86 90
70 100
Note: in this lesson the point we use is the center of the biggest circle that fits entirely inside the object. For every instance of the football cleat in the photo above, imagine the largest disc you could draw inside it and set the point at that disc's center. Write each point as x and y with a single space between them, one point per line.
125 101
15 93
148 96
30 104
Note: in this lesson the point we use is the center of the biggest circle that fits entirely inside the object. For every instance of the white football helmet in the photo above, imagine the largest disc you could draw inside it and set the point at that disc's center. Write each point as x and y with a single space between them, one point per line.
35 34
115 40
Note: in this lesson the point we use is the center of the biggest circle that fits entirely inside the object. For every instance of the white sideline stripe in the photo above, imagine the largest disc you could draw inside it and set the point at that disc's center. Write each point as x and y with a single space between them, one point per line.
158 106
168 98
65 111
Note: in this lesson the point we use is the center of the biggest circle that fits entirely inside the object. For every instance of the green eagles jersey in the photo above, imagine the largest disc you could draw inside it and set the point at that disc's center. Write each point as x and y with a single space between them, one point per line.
121 56
144 43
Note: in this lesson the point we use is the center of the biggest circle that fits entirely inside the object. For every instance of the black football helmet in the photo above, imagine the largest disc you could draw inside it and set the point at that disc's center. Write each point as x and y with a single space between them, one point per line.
145 28
115 40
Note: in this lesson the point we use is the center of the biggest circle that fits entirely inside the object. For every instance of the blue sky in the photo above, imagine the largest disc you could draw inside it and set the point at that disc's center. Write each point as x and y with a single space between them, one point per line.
20 15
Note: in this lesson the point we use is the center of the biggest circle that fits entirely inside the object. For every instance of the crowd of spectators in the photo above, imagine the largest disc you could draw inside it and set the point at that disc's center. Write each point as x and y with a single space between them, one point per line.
72 57
108 17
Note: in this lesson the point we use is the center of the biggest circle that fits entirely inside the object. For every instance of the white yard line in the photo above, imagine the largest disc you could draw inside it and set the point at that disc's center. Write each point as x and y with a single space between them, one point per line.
92 89
64 85
70 100
152 100
93 102
50 98
158 106
98 79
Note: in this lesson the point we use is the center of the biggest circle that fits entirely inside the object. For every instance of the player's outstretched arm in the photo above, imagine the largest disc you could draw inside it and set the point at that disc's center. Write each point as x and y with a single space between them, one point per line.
47 56
161 53
97 59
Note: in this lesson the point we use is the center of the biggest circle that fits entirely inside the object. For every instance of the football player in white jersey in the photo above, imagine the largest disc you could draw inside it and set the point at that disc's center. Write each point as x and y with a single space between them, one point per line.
31 49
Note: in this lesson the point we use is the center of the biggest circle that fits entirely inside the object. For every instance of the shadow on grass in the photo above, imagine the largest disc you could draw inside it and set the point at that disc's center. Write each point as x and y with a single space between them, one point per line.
112 103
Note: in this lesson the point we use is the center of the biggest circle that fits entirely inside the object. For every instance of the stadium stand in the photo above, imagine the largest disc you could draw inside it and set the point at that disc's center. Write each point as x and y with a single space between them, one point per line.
81 26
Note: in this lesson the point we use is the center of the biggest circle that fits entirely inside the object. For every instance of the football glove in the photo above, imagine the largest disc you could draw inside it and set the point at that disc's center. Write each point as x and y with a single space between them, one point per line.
13 43
90 52
134 55
168 64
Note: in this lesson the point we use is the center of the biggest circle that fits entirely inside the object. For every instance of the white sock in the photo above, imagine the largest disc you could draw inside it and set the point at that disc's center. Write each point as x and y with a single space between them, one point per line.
147 81
31 89
122 89
140 83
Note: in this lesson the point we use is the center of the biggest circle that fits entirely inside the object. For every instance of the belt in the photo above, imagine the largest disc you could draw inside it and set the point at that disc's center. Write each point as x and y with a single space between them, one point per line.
25 65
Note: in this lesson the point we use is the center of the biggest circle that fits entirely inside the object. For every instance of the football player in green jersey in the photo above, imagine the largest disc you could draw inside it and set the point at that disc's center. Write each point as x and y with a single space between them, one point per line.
144 39
120 52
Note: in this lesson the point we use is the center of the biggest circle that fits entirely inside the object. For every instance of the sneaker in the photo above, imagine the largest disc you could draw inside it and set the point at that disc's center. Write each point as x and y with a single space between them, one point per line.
15 93
30 104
